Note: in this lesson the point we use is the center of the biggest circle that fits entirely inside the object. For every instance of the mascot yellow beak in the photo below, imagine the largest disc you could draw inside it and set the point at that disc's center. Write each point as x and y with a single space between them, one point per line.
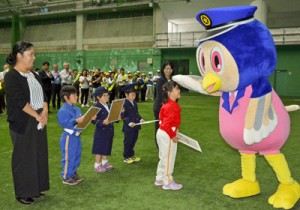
211 83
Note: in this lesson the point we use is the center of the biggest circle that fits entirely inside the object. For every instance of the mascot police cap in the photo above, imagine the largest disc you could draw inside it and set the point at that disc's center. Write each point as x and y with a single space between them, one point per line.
220 20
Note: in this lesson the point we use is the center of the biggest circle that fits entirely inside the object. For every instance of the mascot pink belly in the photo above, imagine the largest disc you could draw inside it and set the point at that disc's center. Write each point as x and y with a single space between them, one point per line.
232 126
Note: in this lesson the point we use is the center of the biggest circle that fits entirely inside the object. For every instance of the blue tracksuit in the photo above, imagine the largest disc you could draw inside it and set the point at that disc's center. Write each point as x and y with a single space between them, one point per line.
130 114
70 144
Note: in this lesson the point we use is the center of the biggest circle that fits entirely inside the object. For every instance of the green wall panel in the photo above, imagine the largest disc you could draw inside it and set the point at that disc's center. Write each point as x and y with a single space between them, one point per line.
105 60
59 58
182 54
288 57
128 59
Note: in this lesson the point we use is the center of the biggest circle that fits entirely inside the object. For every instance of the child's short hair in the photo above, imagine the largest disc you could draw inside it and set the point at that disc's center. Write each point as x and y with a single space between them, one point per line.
67 90
166 88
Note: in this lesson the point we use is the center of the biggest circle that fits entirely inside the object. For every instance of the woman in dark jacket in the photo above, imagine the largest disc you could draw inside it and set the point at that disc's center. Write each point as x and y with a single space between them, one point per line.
167 72
27 111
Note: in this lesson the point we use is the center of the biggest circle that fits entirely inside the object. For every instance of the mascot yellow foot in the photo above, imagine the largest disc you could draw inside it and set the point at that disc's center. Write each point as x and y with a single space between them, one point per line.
241 188
247 186
288 192
286 196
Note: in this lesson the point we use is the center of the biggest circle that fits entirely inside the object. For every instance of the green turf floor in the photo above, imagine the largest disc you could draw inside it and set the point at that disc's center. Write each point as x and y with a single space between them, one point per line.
131 187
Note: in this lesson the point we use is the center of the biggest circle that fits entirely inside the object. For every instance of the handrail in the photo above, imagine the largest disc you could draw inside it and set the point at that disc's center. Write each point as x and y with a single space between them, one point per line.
281 36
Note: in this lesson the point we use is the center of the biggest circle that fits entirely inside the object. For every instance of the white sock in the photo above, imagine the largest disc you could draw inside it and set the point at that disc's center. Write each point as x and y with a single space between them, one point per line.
96 165
104 161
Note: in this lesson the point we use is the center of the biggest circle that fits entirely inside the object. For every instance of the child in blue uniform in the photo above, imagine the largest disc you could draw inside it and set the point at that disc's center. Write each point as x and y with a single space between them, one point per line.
130 117
70 143
104 132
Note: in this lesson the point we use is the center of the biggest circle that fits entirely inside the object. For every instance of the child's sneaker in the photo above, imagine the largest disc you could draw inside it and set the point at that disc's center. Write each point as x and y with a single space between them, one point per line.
172 186
71 181
107 166
77 177
128 160
100 169
159 182
136 159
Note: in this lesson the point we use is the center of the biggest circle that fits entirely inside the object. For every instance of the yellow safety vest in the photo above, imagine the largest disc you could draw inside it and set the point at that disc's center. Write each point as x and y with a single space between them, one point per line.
112 85
145 82
76 78
104 82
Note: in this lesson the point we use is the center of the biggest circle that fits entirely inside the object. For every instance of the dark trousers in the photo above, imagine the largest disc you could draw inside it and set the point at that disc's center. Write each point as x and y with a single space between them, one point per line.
84 95
2 102
30 161
121 92
137 96
112 95
48 94
129 143
156 126
56 94
143 95
77 89
154 91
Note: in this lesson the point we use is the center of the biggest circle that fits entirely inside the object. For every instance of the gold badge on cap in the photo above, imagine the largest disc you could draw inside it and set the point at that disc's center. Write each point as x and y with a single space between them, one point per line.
205 20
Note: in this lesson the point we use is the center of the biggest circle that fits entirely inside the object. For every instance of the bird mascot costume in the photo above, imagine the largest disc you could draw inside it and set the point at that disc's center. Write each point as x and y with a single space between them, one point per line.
235 57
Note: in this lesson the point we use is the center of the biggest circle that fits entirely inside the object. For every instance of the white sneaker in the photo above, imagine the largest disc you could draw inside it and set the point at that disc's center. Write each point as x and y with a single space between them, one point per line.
87 105
82 105
172 186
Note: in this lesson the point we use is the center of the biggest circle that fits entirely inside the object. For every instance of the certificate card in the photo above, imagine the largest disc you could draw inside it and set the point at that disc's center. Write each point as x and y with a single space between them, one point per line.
88 117
146 122
115 110
188 141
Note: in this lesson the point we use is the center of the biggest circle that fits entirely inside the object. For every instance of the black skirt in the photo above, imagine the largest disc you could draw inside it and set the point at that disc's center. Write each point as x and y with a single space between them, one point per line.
103 140
30 161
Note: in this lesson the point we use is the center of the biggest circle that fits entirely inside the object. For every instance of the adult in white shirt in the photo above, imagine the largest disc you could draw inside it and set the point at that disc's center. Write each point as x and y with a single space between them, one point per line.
66 75
122 80
84 80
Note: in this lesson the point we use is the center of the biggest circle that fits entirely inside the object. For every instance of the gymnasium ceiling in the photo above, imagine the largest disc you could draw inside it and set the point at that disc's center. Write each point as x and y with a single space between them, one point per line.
181 11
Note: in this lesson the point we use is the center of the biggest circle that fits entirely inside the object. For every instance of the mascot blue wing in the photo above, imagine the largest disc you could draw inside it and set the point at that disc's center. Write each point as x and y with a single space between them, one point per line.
261 119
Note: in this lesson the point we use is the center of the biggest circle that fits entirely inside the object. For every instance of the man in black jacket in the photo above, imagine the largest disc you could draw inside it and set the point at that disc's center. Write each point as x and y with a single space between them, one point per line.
46 78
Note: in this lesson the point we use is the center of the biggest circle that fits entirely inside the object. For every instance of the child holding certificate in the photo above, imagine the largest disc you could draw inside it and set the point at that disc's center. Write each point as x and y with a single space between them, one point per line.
130 117
104 132
70 143
169 121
